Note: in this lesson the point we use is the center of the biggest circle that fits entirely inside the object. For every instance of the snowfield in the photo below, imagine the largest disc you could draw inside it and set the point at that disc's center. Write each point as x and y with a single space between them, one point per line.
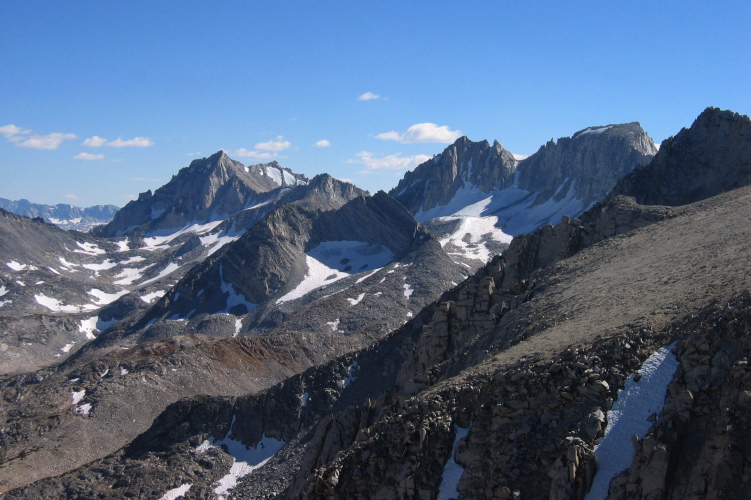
332 261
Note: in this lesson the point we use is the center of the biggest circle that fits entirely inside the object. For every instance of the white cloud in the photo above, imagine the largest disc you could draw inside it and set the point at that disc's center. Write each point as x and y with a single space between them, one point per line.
391 162
368 96
95 142
277 145
49 141
88 156
72 197
11 132
323 143
254 154
137 142
422 132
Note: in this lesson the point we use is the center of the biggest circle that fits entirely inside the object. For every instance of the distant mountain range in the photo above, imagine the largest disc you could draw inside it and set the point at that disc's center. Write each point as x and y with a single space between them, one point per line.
62 215
463 336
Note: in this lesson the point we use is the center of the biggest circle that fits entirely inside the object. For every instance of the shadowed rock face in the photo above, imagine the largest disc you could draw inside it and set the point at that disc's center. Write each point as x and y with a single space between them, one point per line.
711 157
594 159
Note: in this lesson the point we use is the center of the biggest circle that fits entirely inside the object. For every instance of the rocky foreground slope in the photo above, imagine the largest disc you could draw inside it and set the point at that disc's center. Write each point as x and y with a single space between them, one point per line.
501 389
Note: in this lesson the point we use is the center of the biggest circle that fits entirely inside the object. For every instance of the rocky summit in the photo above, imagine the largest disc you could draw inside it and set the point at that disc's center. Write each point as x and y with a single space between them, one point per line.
340 351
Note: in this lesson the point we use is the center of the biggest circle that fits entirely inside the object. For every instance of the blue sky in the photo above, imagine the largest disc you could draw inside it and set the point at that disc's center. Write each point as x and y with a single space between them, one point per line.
102 100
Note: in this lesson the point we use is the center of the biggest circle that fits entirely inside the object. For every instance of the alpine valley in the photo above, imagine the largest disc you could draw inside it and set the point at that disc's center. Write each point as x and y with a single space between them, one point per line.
573 324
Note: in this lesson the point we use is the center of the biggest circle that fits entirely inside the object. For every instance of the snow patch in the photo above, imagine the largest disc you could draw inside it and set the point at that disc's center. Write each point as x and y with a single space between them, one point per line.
150 297
176 493
124 372
66 263
16 266
107 264
334 325
350 375
246 459
234 298
408 290
169 269
89 249
3 290
88 327
628 417
130 274
83 409
76 397
452 471
471 232
123 246
104 298
594 130
332 261
67 347
238 326
54 305
354 302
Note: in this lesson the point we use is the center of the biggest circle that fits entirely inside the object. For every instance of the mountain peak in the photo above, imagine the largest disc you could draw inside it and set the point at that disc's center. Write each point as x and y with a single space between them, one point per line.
711 157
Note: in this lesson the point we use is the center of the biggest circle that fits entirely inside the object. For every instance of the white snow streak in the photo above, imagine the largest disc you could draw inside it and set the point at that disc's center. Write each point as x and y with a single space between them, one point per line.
452 471
176 493
628 417
150 297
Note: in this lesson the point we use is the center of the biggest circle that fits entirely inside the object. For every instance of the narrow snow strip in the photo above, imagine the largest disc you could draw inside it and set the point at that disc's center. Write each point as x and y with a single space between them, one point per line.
246 460
238 326
176 493
360 280
132 260
354 302
628 417
452 471
150 297
170 268
104 298
67 347
66 263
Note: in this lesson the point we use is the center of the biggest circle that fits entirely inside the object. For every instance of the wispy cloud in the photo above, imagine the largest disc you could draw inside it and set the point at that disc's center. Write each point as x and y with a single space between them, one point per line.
323 143
49 141
422 132
95 142
11 131
136 142
88 156
368 96
395 161
72 196
276 145
258 155
22 138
